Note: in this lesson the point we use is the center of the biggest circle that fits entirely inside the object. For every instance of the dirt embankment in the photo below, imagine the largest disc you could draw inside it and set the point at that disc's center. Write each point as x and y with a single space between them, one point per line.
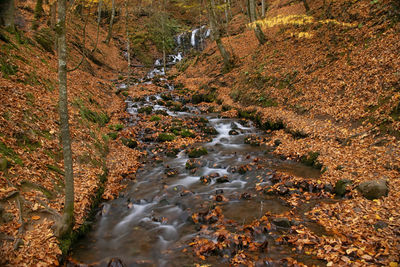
31 184
326 85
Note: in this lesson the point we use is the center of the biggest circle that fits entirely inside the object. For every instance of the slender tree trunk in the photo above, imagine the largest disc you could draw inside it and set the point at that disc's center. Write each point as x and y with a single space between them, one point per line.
257 30
68 217
7 13
163 37
252 10
128 44
98 24
216 34
111 23
306 6
263 8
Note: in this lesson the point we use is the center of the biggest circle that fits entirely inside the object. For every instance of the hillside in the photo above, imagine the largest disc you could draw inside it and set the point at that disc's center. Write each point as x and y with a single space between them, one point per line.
324 88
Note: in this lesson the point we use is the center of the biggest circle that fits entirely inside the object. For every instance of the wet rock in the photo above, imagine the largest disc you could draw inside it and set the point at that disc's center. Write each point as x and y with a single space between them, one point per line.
149 138
233 132
219 191
171 172
164 137
245 196
129 142
197 152
219 198
146 110
205 179
340 186
329 188
172 152
115 262
277 142
282 190
223 179
209 130
282 222
268 191
244 168
252 140
195 163
161 112
166 97
234 126
374 189
380 225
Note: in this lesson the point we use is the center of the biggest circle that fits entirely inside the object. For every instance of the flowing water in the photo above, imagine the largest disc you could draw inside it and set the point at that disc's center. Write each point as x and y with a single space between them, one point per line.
150 223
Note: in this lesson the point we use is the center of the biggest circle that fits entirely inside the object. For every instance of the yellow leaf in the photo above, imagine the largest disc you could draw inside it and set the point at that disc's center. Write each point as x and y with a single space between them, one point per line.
35 217
329 264
393 264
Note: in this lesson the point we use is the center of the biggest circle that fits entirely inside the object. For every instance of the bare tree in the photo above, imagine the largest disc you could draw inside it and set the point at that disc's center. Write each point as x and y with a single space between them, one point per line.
257 30
67 221
107 41
263 7
306 6
7 13
98 24
217 35
128 42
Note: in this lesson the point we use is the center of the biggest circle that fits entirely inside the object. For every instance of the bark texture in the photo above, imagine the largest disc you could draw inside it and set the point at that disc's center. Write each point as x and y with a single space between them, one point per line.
68 217
7 13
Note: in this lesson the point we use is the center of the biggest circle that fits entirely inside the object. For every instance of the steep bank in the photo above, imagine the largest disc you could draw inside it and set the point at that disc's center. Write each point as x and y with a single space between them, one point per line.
31 185
326 86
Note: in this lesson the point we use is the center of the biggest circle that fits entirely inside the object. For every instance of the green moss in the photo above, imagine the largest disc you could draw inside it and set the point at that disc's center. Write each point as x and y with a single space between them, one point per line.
186 133
100 118
311 159
129 142
146 110
116 127
125 93
45 38
197 152
155 118
10 154
55 169
163 137
67 241
112 135
7 68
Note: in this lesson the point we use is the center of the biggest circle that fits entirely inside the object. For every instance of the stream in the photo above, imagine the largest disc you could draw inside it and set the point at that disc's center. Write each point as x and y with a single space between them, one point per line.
150 223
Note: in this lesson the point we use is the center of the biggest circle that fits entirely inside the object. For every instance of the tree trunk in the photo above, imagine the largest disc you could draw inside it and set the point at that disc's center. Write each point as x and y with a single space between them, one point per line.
260 35
263 8
216 34
98 24
7 13
252 10
258 32
67 222
306 6
128 44
111 23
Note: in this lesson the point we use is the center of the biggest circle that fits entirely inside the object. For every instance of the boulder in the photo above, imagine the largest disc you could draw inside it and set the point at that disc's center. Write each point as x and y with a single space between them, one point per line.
282 222
340 186
374 189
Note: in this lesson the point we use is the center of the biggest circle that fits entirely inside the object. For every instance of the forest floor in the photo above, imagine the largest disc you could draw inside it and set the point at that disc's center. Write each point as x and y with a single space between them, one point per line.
323 89
326 89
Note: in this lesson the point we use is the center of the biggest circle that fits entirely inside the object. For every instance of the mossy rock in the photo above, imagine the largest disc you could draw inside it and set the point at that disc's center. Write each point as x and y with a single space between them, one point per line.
172 152
129 142
161 112
187 133
146 110
206 97
340 186
209 130
197 152
164 137
166 97
311 159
